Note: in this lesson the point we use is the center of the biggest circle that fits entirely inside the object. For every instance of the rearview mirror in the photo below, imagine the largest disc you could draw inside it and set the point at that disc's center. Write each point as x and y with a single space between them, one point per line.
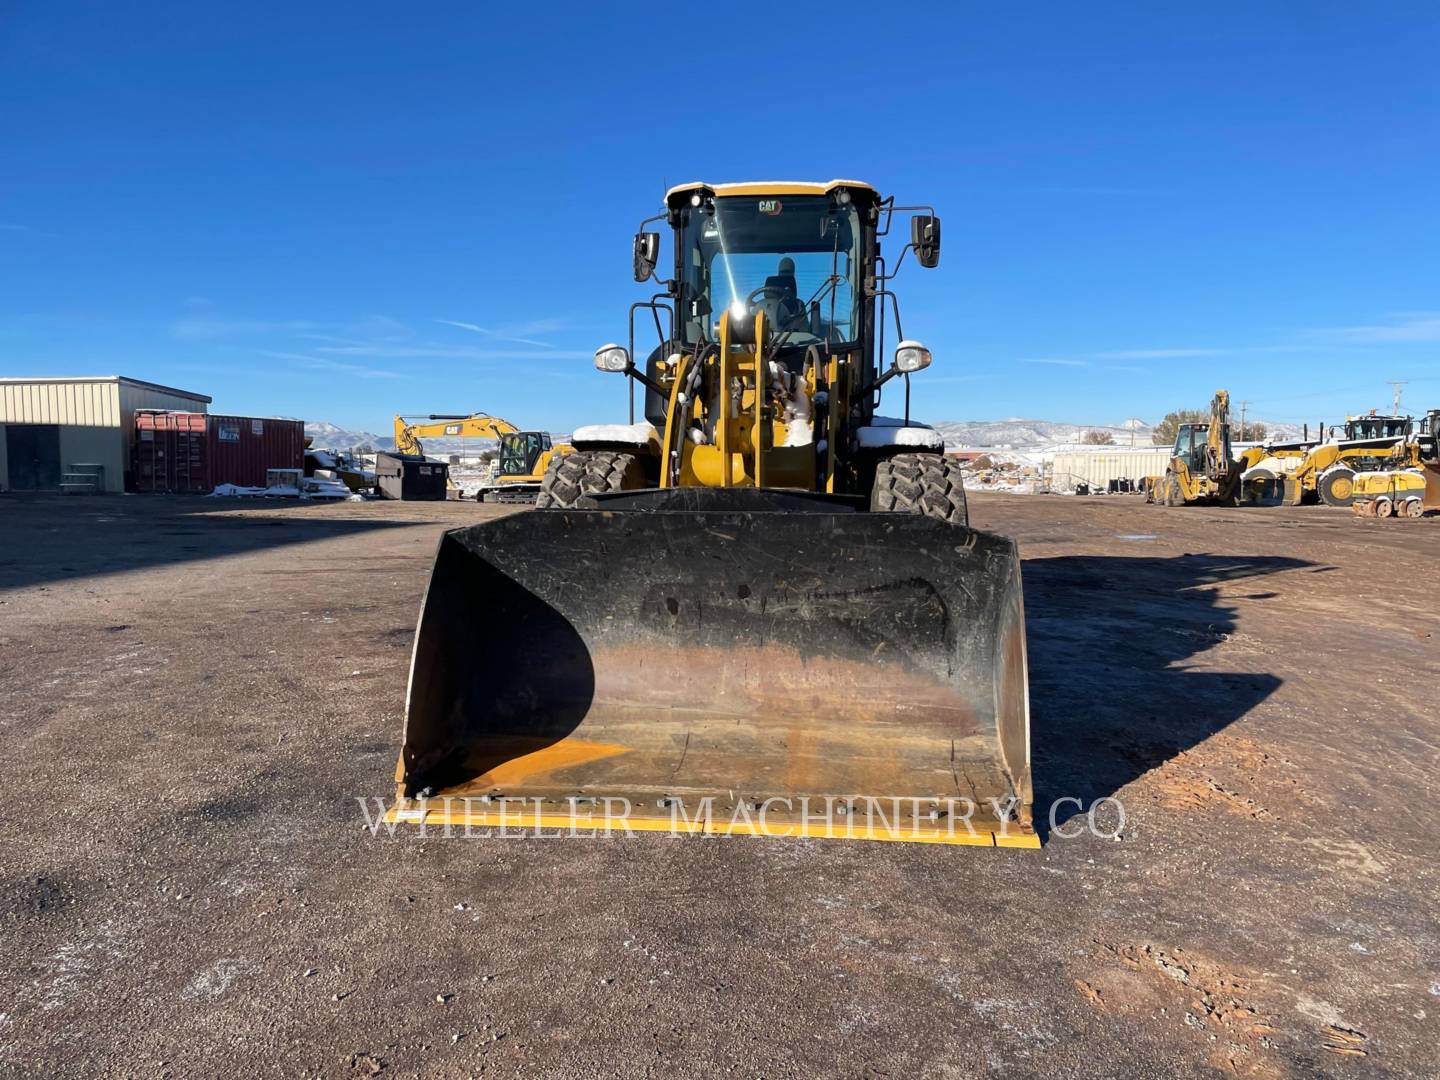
925 236
647 254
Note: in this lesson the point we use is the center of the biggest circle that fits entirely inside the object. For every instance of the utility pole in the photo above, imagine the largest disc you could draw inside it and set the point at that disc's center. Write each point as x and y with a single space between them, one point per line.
1243 406
1397 384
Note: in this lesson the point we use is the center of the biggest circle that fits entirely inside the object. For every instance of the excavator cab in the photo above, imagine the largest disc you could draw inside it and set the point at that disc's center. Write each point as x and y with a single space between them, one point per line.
520 450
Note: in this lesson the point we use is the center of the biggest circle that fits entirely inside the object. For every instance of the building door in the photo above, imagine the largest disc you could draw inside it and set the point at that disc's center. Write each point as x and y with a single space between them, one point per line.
33 451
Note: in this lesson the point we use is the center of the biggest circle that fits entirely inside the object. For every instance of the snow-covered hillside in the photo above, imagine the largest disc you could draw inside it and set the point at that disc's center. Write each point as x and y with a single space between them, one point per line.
1020 433
329 436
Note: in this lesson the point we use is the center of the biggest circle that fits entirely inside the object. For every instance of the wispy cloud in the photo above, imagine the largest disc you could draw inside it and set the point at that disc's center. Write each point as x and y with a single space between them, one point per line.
1158 354
1190 352
1055 361
519 334
202 323
6 226
211 329
1407 327
320 363
432 351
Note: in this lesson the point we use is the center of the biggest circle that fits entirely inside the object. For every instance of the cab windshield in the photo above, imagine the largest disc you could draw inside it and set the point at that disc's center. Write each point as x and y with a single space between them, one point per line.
1378 427
1190 444
519 451
796 258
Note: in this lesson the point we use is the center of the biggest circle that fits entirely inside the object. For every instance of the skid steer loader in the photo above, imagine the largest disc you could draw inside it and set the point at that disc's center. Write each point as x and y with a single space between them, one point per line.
760 608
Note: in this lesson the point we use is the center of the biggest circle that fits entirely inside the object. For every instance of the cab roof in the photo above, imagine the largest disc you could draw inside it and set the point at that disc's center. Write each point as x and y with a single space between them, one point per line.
771 187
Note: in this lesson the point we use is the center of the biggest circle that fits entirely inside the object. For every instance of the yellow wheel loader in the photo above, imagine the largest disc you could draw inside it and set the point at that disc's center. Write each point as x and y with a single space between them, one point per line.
1327 471
759 608
524 455
1201 470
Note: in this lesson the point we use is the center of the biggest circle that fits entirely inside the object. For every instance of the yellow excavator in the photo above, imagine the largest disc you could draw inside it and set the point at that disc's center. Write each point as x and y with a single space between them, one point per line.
524 455
760 607
1201 470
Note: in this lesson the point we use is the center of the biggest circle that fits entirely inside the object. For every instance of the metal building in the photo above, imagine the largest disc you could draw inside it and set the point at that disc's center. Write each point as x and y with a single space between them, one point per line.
76 433
1096 466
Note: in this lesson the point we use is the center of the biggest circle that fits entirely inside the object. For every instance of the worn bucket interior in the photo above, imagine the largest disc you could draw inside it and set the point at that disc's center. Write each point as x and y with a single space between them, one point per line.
815 665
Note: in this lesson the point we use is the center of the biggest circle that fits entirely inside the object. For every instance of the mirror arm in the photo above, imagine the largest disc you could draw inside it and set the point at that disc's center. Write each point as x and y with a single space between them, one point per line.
640 377
893 274
881 381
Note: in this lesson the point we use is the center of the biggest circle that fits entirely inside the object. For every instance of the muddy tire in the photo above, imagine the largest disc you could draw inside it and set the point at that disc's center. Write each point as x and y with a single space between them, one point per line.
1336 487
571 479
926 484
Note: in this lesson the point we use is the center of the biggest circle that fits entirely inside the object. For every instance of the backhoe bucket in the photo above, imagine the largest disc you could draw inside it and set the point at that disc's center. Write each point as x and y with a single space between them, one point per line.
745 668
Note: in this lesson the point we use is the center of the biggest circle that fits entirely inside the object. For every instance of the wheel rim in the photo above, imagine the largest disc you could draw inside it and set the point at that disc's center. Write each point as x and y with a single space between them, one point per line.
1383 508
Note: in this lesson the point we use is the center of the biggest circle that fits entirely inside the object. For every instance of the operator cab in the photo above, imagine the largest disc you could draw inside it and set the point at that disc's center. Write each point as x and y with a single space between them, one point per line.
796 258
520 450
1192 445
1373 426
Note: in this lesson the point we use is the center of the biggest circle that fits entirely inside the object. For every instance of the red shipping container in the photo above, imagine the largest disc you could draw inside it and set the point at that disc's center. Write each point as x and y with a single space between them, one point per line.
195 452
243 447
170 452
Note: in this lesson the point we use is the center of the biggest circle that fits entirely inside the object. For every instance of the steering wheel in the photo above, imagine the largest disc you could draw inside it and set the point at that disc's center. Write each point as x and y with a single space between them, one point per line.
768 292
787 306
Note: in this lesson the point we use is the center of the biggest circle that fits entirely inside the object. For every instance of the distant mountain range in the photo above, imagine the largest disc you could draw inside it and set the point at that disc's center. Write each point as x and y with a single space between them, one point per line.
329 436
1016 432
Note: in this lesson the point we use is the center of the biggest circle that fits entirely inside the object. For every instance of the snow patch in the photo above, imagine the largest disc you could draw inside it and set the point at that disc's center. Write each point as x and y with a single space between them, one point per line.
880 435
628 434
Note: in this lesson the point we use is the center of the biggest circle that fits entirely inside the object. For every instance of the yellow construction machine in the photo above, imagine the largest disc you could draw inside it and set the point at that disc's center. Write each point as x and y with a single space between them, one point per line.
1326 471
524 455
1389 492
1201 470
758 609
1408 491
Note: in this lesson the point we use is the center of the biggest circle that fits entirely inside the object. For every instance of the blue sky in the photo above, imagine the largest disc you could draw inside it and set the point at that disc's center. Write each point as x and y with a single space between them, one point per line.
338 211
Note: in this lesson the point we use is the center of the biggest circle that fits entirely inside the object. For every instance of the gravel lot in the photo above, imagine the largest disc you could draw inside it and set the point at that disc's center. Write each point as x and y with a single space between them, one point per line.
196 691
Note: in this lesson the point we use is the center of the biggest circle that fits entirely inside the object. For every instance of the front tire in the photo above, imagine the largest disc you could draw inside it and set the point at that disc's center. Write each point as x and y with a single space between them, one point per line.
1336 487
571 479
926 484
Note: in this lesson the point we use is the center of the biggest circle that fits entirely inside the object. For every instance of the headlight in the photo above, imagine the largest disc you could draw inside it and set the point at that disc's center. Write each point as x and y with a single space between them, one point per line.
612 358
911 356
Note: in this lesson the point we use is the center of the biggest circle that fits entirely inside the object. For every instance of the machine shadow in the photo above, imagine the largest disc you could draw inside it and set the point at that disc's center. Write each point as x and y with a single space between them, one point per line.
1110 695
52 538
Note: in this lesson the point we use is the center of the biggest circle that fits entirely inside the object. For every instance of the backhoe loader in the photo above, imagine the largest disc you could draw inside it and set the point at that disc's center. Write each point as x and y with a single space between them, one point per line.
759 608
524 455
1201 470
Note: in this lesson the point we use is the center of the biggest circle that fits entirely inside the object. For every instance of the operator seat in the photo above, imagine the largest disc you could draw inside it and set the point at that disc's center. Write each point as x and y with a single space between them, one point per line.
781 299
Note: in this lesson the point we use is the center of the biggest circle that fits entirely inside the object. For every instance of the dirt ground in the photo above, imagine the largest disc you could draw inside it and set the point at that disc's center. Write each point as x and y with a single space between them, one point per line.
196 692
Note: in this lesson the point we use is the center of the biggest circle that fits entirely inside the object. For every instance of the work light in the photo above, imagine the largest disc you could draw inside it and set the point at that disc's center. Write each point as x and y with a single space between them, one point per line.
911 356
612 358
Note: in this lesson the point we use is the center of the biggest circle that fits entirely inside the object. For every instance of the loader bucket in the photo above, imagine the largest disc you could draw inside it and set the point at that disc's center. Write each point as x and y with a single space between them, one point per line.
740 667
